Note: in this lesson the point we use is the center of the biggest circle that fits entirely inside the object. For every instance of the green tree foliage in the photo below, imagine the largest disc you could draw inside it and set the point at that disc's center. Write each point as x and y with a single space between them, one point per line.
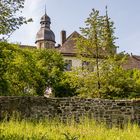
107 37
135 75
97 44
116 82
9 21
17 70
50 66
103 76
66 87
28 71
91 44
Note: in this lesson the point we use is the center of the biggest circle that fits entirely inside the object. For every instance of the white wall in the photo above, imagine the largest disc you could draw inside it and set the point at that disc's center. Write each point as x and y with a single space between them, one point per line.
75 61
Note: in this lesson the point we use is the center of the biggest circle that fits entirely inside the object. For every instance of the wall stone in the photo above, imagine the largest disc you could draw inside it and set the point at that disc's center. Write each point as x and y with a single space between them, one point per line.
102 110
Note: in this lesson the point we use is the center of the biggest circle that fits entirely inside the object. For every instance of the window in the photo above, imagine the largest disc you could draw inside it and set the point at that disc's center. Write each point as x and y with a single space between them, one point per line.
68 64
87 65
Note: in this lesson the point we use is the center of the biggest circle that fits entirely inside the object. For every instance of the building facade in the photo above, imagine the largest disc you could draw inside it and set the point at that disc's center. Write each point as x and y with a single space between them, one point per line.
45 38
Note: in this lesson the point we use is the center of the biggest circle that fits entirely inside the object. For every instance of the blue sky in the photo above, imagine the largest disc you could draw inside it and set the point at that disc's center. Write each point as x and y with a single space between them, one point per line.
69 15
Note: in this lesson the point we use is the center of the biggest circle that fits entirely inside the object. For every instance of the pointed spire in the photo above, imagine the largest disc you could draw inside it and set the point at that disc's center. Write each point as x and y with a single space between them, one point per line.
45 9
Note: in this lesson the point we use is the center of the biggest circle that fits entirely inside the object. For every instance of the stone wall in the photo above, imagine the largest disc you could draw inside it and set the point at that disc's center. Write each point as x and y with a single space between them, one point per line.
109 111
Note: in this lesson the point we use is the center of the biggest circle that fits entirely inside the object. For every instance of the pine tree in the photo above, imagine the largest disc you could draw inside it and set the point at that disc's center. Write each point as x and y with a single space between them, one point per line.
90 46
97 44
108 36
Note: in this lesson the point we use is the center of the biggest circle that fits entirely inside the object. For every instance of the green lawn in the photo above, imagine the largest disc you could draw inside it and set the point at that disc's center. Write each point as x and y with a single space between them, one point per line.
54 130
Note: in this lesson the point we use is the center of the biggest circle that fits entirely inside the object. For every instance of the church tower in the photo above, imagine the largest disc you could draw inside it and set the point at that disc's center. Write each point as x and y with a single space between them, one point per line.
45 37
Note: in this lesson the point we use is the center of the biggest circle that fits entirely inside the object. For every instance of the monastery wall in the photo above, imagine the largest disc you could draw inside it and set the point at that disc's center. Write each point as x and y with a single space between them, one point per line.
102 110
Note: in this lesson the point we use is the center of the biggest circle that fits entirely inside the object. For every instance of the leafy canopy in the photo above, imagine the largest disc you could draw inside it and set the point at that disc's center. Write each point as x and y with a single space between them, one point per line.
102 74
28 71
9 21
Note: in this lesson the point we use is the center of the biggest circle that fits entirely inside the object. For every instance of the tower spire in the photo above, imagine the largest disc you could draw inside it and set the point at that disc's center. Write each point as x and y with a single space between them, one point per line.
45 9
45 38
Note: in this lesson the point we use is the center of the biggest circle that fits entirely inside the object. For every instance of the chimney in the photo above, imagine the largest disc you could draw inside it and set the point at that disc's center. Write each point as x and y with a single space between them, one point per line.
63 37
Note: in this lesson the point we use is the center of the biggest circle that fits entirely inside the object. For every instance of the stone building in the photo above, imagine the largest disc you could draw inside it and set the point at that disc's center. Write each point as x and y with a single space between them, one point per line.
45 38
68 49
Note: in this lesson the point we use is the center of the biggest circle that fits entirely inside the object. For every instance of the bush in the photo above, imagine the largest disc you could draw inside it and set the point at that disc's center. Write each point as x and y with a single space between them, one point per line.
28 71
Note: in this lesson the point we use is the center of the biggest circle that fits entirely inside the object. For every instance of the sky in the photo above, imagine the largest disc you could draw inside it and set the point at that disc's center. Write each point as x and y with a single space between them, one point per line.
69 15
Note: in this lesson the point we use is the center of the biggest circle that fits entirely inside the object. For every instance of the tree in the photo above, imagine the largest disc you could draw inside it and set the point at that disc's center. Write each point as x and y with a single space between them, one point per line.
89 46
103 76
98 42
28 71
17 70
108 38
9 21
135 75
50 65
66 87
116 81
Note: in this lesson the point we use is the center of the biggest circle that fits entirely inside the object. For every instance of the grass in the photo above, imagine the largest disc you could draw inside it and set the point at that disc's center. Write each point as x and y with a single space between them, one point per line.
54 130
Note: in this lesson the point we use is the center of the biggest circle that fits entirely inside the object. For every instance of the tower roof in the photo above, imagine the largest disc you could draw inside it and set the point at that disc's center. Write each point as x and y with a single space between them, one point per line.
45 33
45 18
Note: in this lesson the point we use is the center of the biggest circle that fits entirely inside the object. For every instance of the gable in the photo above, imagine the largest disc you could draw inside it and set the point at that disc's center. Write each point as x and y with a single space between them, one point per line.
69 46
